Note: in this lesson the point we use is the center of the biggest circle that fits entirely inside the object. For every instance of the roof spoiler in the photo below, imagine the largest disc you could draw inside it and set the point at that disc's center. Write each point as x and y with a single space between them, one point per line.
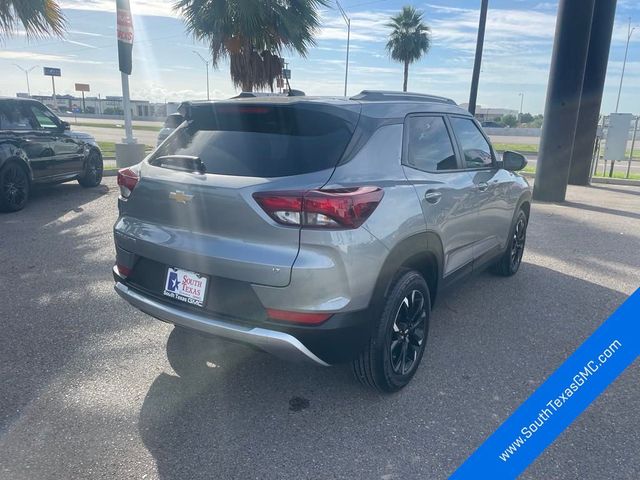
388 95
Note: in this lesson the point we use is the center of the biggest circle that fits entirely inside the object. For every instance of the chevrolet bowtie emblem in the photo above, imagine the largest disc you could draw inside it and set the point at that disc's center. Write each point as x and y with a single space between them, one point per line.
180 197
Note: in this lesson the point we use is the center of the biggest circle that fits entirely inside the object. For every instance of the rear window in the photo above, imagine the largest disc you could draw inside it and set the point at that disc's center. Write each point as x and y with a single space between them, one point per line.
261 140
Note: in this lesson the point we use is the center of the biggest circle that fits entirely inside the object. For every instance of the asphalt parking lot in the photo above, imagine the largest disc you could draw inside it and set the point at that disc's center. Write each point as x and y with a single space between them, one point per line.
91 388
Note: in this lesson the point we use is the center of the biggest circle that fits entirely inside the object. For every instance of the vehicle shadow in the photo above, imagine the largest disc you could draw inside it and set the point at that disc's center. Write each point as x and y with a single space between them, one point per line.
232 412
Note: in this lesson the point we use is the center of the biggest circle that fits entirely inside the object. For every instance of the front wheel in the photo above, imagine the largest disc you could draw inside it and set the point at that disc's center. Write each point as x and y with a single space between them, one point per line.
510 262
93 167
14 187
395 349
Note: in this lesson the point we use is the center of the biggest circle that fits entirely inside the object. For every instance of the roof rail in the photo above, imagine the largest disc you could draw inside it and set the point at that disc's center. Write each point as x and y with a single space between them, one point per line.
389 95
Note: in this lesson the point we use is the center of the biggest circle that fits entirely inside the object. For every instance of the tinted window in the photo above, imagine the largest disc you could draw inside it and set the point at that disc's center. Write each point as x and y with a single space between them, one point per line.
261 141
45 118
429 147
12 117
173 120
475 147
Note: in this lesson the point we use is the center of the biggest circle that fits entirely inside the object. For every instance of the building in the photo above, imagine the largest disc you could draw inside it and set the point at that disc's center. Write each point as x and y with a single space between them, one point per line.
487 114
109 105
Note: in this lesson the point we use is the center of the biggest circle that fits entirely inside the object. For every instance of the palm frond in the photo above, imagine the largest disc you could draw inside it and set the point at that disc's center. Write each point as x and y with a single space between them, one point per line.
39 18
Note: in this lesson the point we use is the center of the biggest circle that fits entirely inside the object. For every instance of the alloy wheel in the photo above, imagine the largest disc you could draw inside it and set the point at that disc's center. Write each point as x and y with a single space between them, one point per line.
517 243
409 332
15 186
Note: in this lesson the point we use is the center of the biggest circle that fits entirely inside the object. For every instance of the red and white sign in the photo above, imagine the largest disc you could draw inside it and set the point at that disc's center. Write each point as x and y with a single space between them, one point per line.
124 21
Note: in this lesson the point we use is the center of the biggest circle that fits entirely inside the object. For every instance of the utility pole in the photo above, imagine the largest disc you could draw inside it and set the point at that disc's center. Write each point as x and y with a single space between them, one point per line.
475 79
347 20
27 71
624 62
206 64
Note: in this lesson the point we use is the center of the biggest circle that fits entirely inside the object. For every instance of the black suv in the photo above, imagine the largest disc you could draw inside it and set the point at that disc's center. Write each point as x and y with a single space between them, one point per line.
37 147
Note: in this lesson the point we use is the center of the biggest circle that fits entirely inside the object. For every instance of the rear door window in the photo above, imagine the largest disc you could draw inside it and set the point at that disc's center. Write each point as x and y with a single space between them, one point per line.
261 140
429 146
13 117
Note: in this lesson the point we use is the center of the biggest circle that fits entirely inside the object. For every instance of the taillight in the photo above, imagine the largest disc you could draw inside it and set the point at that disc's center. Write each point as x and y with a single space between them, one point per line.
128 178
338 208
305 318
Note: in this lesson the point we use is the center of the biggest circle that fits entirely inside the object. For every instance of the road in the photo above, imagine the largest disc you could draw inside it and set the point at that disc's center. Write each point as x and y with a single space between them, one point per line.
92 388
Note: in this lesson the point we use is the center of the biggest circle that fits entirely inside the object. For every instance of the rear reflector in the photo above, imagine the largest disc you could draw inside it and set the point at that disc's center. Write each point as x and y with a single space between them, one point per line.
128 178
297 317
338 208
123 271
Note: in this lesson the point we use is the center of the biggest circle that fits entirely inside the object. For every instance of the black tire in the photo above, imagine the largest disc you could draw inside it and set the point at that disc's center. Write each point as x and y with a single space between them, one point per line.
15 187
510 261
93 169
386 364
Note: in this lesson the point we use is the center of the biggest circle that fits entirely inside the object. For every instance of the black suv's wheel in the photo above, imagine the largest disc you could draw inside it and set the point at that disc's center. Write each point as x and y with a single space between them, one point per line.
396 347
510 262
92 174
14 187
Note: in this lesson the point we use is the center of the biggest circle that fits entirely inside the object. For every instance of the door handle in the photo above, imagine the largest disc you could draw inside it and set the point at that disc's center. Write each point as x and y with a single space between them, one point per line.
482 186
432 196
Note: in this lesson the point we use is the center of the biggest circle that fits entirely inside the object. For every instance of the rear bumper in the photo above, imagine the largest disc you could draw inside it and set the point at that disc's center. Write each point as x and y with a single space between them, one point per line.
277 343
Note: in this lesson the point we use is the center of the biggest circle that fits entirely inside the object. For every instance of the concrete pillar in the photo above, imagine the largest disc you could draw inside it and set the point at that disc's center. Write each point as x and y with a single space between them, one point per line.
573 27
592 87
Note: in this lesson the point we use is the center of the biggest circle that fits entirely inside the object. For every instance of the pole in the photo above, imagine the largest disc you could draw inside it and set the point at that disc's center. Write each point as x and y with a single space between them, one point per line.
624 62
475 79
347 21
346 68
26 74
592 89
564 92
126 105
633 145
521 102
53 84
84 108
207 65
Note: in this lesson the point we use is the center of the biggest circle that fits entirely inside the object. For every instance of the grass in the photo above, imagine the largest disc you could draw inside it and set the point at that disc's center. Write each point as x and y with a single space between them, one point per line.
109 148
516 147
616 174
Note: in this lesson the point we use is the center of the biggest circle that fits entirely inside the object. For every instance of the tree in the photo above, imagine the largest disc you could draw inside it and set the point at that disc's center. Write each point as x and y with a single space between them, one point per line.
409 40
252 34
526 118
37 17
510 120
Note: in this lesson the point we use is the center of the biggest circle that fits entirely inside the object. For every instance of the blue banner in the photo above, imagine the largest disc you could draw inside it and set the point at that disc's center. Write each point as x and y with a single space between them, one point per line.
560 399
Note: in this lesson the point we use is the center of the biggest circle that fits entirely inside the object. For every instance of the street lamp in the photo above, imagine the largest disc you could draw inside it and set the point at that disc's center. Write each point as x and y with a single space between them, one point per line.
26 73
347 20
521 95
206 63
624 63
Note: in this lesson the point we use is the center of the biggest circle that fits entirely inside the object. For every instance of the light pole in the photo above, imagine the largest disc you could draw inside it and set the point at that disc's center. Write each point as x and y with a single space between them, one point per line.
347 20
206 63
521 95
26 73
624 62
475 76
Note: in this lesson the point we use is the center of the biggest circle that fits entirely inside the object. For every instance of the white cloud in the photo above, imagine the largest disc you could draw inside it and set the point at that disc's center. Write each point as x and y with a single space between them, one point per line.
161 8
44 57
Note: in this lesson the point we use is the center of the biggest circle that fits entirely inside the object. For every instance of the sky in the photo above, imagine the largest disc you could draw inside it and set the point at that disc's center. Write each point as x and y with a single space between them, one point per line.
517 53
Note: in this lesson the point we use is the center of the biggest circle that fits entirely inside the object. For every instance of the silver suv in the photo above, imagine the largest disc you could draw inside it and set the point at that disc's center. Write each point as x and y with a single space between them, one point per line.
318 229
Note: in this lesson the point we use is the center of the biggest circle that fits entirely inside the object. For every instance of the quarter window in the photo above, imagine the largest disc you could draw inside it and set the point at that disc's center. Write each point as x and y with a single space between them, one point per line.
429 146
476 149
12 117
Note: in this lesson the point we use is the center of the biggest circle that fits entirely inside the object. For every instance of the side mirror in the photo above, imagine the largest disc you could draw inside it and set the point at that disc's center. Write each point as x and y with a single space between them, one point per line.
65 125
513 161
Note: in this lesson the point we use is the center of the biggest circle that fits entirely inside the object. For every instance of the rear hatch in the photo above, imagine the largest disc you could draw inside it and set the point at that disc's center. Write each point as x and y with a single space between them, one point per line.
193 207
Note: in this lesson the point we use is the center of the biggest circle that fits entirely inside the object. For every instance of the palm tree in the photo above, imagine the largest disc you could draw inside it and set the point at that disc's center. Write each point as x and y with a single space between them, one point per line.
252 34
37 17
409 40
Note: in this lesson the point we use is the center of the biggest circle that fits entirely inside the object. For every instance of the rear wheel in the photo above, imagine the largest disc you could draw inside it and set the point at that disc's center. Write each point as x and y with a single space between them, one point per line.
510 262
14 187
395 349
93 167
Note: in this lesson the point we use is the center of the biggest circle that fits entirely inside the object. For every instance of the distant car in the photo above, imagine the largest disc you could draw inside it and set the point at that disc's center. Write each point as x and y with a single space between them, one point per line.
172 122
36 147
492 125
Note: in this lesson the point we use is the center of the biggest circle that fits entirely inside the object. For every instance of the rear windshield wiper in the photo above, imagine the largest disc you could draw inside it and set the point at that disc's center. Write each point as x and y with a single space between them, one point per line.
184 163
